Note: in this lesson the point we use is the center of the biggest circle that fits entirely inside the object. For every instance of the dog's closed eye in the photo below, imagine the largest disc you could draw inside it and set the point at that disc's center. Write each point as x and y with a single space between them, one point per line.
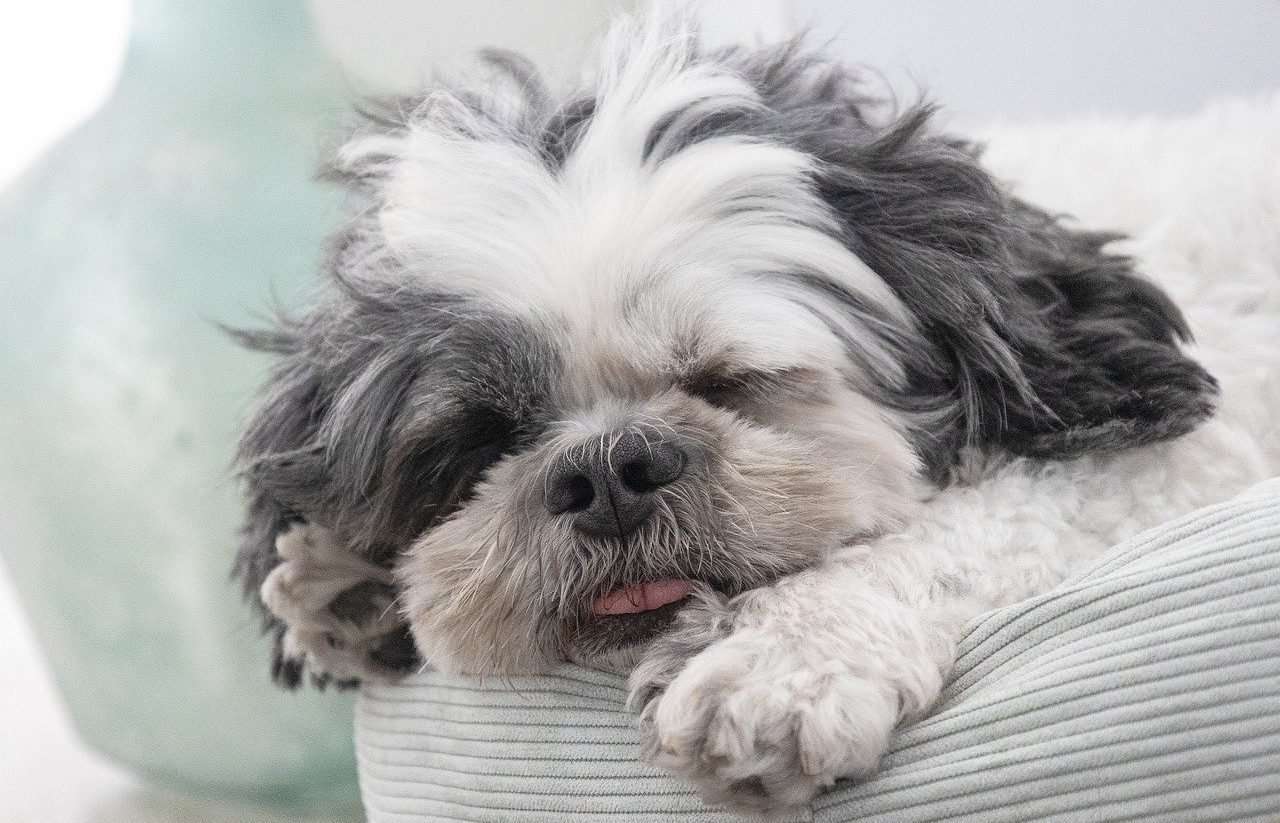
735 389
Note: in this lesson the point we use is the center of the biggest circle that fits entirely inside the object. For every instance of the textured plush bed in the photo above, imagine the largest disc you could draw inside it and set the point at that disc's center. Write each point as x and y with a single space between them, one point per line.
1144 687
1148 686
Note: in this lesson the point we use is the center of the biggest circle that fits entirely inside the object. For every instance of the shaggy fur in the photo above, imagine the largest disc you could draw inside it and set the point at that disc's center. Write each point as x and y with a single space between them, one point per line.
872 358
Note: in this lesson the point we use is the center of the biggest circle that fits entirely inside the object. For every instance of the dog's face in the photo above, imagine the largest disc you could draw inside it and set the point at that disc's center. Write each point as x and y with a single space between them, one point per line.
688 330
642 347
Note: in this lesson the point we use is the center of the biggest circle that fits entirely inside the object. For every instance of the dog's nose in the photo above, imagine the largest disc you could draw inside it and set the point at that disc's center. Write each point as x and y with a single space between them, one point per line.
608 489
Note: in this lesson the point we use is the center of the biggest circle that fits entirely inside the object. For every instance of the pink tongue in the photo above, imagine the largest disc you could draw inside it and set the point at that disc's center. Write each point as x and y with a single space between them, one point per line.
642 597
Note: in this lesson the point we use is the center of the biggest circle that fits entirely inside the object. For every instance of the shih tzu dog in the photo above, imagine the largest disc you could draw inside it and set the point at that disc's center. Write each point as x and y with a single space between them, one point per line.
714 370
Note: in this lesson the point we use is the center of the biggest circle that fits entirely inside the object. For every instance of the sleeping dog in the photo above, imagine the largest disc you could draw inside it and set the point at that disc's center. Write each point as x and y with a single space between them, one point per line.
716 370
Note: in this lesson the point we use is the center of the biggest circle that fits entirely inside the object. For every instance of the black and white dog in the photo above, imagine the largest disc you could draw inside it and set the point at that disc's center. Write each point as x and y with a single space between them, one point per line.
714 370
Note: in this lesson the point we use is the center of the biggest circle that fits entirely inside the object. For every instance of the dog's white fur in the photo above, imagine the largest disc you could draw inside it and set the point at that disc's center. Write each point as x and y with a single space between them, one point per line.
628 256
829 661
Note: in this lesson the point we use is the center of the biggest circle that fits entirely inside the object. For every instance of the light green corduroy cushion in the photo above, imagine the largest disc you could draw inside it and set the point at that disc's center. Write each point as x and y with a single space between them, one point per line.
1146 688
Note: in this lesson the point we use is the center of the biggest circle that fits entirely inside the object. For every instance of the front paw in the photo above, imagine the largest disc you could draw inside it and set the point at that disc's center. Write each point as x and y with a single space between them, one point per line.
761 723
337 613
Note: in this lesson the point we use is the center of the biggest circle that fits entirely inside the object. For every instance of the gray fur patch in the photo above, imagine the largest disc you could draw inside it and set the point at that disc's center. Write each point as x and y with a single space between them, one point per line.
386 405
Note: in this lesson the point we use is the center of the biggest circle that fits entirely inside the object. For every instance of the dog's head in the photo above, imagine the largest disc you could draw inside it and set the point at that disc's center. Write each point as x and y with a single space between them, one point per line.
690 327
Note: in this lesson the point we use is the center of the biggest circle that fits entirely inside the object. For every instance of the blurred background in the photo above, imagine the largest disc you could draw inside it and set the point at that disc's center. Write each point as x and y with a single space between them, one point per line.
155 162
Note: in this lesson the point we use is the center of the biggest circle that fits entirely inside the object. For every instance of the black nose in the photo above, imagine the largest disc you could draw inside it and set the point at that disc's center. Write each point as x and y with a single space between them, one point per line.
607 489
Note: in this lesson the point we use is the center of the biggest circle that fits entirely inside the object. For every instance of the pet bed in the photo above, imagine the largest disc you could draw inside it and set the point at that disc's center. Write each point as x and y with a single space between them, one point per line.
1148 686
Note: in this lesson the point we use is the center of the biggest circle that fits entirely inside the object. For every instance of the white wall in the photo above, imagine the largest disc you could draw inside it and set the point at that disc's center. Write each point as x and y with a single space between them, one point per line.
1022 60
983 59
396 44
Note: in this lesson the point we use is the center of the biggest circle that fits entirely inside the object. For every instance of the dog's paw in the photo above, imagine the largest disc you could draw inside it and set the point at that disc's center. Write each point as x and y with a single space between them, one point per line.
338 612
761 722
706 620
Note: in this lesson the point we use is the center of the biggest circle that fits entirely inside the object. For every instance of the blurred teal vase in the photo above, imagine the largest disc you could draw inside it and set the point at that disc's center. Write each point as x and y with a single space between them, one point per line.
187 200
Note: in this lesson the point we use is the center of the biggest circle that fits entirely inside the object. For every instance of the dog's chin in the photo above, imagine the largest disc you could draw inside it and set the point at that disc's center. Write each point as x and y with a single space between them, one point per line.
615 630
619 626
617 642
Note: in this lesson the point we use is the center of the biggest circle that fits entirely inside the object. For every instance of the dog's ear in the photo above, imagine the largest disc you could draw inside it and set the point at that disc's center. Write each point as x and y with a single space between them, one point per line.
327 604
1040 342
1100 346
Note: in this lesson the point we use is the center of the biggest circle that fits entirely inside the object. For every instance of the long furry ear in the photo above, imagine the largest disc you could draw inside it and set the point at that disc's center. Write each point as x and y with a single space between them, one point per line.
327 605
1100 346
1041 343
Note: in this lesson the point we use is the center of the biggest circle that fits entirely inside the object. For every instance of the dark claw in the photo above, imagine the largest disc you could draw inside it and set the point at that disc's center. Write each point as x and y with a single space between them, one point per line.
287 671
397 651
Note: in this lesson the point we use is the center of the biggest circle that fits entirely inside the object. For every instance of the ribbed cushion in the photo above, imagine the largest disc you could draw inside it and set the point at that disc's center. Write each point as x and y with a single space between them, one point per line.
1146 688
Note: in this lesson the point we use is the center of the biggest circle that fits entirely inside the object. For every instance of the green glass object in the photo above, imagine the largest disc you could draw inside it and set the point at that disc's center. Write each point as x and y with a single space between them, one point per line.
188 199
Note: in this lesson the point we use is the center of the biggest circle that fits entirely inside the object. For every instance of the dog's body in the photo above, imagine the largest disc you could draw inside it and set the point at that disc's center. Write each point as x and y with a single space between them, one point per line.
709 371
